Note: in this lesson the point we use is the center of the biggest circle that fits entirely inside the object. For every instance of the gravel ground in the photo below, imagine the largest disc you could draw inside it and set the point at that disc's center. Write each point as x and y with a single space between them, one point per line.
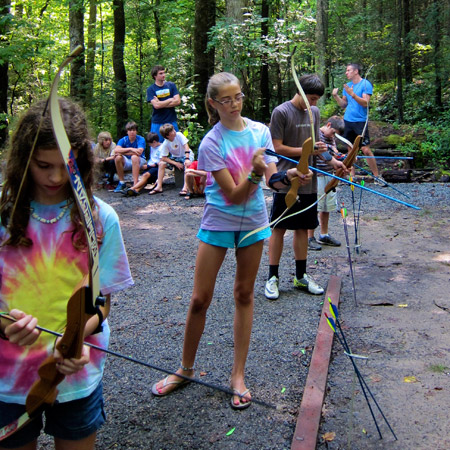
148 320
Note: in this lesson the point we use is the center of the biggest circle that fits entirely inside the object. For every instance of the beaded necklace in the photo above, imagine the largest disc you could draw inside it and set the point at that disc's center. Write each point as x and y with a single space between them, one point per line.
49 221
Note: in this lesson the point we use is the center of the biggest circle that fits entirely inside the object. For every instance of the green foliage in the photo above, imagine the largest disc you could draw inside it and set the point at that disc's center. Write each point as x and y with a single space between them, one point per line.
438 368
434 150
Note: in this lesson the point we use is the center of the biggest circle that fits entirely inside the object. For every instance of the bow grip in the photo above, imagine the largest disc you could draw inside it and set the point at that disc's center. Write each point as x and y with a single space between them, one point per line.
303 167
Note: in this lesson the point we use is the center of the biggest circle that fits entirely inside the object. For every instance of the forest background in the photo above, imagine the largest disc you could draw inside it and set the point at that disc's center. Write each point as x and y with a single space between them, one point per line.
405 43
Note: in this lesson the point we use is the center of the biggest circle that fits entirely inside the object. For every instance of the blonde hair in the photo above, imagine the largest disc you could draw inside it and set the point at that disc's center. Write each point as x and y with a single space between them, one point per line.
216 82
103 136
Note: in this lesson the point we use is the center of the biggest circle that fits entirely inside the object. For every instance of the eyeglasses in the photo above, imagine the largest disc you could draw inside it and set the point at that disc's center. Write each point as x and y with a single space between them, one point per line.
237 99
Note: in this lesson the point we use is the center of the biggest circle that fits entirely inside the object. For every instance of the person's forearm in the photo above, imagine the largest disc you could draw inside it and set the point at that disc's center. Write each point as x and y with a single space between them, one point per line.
360 100
340 101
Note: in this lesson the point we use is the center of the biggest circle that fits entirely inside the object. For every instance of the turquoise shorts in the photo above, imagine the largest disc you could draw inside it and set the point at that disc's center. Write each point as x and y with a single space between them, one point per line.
232 239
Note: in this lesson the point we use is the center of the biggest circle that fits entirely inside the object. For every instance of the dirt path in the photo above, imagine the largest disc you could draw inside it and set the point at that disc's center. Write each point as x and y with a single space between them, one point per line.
404 262
401 275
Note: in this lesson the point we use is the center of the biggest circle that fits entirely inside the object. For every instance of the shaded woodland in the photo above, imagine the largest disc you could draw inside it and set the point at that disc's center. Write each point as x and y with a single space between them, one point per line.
405 42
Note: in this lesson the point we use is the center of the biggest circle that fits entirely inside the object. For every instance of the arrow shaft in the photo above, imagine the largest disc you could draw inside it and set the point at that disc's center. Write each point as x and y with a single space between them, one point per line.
314 169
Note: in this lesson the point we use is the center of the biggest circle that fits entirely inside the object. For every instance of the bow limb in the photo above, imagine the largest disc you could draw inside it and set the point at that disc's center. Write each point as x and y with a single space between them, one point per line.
348 162
367 118
305 99
84 299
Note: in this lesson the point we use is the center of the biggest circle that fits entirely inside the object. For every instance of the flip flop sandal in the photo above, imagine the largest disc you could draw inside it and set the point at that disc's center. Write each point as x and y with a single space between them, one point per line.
168 383
154 192
182 193
131 193
241 404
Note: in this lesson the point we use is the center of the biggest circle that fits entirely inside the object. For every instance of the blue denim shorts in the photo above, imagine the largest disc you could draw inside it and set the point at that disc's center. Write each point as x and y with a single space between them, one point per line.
232 239
70 421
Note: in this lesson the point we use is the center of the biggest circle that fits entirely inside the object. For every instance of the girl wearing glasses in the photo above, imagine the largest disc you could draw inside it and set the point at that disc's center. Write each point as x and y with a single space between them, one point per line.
233 152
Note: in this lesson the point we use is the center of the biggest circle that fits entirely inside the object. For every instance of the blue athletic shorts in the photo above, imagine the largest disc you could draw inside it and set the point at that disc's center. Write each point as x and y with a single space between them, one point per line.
231 239
70 421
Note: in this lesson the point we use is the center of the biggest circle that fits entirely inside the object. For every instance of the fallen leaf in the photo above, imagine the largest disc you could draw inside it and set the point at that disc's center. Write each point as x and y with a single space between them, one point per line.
410 379
403 305
375 378
178 297
329 436
202 374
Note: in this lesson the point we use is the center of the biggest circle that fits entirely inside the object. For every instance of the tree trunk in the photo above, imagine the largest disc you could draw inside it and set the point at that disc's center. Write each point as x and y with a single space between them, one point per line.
76 35
322 61
235 14
120 75
399 59
4 25
90 57
102 69
157 28
264 113
437 57
205 18
407 42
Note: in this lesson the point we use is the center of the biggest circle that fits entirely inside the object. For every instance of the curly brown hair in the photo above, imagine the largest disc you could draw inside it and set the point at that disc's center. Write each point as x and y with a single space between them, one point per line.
19 150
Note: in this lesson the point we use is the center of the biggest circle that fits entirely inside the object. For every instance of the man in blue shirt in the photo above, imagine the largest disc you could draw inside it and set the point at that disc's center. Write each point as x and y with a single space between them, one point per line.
129 155
164 97
355 100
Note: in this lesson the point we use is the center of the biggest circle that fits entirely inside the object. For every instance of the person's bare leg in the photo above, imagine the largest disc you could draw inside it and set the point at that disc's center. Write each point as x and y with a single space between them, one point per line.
142 182
30 446
118 160
276 242
161 171
300 244
189 182
207 265
248 259
135 167
371 161
87 443
324 219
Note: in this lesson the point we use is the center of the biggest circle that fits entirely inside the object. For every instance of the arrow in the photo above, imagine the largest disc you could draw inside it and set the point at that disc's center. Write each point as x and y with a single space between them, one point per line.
314 169
335 325
150 366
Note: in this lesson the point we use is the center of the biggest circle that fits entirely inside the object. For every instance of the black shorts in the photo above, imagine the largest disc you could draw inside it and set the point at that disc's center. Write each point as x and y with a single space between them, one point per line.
304 221
353 129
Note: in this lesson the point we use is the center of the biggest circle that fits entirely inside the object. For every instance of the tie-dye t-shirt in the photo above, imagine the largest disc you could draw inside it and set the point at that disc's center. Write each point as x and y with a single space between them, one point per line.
221 149
39 280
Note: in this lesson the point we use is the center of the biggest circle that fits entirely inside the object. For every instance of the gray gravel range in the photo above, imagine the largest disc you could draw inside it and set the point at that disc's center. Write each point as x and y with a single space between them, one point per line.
147 322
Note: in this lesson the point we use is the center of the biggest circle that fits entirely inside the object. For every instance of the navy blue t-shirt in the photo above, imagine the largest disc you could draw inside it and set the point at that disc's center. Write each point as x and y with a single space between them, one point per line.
164 92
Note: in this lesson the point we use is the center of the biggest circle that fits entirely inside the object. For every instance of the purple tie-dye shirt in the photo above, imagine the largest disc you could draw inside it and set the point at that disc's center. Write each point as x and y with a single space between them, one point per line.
221 149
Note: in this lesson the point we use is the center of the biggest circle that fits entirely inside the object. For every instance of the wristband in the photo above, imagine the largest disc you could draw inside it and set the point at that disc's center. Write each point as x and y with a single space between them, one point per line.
99 328
254 178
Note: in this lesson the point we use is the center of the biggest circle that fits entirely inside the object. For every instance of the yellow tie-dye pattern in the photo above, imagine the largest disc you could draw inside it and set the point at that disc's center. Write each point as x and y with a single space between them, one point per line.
46 280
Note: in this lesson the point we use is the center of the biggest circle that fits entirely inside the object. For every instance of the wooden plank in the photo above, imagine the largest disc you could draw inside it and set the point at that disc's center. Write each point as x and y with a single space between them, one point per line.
305 435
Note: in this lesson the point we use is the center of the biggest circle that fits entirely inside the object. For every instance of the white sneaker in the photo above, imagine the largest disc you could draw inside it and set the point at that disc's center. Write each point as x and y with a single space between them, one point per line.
271 290
308 284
